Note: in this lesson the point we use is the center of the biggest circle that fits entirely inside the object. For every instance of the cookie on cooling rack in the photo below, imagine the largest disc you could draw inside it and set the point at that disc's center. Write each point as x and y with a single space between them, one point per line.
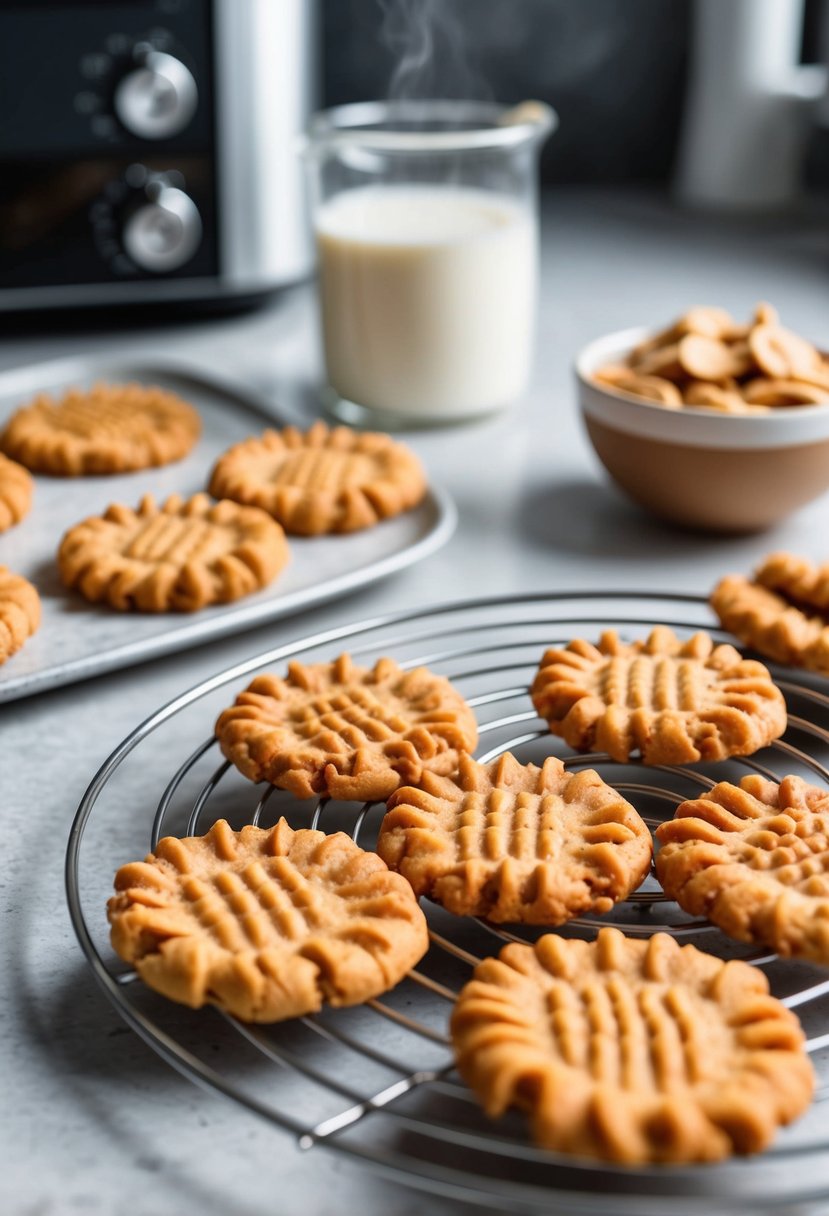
514 842
266 925
177 557
674 702
351 732
631 1051
19 612
783 611
109 428
15 493
321 480
754 859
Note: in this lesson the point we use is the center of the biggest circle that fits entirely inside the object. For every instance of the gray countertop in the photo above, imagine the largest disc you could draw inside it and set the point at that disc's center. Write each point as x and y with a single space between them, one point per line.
92 1121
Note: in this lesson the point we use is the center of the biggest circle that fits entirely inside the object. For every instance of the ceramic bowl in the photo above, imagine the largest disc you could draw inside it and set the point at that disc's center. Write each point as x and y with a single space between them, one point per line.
700 468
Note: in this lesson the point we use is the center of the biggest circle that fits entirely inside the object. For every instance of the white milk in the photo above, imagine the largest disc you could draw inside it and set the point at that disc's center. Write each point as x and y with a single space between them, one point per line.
428 298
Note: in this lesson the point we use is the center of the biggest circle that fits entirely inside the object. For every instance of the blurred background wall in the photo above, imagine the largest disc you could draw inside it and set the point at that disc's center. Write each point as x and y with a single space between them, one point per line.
614 69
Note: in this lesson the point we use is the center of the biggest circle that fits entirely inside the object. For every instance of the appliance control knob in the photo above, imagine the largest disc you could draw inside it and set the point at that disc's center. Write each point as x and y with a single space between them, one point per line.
158 97
164 232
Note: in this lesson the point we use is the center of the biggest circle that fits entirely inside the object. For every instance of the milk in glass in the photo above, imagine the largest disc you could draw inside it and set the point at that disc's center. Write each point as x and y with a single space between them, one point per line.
427 297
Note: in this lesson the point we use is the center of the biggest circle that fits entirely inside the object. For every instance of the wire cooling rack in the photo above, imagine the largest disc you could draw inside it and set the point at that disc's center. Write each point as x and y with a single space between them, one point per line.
377 1082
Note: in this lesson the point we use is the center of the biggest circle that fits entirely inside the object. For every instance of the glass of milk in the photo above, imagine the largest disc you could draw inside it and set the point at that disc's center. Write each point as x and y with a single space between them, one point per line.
426 223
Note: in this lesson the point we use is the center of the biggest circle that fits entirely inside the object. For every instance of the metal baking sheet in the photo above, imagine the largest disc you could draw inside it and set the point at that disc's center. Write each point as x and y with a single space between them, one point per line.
76 639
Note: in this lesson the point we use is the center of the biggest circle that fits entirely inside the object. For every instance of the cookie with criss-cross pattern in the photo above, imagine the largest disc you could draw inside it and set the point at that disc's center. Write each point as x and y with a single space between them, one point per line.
675 702
177 557
348 731
321 480
265 924
754 859
109 428
514 842
15 493
782 611
19 612
632 1051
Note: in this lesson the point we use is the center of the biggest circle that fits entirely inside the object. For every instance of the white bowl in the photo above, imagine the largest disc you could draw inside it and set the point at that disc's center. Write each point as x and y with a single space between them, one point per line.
700 467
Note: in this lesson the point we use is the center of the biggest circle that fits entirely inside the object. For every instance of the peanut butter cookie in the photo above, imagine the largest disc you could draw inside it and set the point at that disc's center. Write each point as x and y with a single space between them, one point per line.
514 842
15 493
321 480
177 557
109 428
783 611
754 859
632 1051
266 925
19 612
674 702
352 732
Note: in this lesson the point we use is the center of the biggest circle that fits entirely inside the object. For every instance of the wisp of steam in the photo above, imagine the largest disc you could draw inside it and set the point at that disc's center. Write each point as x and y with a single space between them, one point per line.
433 58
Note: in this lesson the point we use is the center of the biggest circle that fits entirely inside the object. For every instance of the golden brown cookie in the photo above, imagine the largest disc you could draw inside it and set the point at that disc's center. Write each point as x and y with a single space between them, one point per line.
110 428
754 859
19 612
177 557
347 731
321 480
265 924
15 493
674 702
783 612
631 1051
514 842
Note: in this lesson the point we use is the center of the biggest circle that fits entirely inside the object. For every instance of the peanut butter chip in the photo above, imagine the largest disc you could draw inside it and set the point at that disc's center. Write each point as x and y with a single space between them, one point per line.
652 388
765 314
780 353
729 401
784 392
710 359
708 322
705 359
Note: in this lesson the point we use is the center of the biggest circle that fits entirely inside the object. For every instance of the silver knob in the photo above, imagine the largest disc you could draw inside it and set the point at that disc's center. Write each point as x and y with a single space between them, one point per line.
165 232
158 98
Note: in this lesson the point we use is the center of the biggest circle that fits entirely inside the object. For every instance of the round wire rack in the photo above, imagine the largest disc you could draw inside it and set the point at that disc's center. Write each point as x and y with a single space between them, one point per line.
377 1081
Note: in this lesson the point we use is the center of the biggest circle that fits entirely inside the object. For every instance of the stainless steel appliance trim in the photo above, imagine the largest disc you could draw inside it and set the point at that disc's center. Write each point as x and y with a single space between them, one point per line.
267 81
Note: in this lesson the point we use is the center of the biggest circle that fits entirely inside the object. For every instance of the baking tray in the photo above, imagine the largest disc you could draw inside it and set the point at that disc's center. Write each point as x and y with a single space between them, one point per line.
77 640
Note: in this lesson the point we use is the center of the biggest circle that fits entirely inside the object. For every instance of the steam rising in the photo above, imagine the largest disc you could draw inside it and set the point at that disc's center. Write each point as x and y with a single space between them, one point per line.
427 39
532 48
